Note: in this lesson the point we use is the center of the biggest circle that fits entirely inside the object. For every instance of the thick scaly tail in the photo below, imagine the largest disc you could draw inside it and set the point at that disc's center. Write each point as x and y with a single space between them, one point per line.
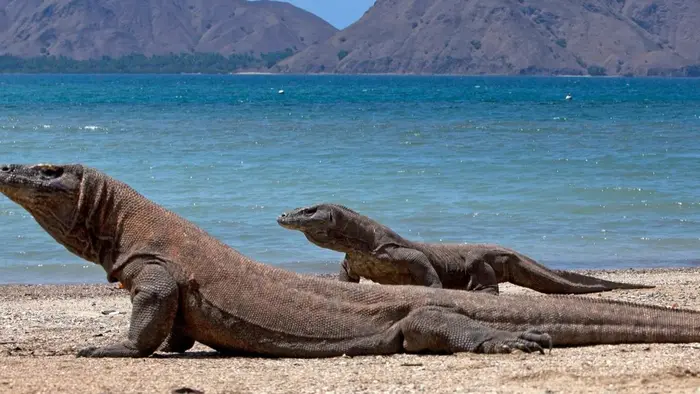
526 272
590 281
576 321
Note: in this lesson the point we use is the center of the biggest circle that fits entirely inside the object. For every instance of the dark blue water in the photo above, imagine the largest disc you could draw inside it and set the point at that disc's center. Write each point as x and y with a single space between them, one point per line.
609 179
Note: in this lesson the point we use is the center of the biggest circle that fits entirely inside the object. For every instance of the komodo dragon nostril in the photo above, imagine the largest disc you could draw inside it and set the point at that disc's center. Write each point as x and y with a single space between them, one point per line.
5 169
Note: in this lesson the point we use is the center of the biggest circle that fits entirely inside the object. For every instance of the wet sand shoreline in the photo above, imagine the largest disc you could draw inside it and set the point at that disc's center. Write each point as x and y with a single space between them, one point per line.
42 326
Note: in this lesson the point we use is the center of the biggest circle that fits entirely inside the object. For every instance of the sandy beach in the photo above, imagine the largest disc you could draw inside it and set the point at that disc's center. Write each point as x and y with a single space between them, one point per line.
41 328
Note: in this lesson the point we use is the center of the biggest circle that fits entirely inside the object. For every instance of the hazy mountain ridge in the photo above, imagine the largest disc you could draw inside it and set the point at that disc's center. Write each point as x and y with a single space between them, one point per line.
514 37
83 29
614 37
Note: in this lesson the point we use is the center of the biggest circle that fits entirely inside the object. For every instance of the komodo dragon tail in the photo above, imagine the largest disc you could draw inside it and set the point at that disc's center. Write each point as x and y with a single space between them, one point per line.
528 273
580 321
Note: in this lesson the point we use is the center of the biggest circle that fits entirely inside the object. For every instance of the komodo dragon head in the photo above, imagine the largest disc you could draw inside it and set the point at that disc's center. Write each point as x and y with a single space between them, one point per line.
55 196
329 226
49 192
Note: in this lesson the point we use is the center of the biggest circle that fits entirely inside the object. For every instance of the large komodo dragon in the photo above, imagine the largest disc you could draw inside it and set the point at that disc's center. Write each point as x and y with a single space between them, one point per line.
373 251
186 286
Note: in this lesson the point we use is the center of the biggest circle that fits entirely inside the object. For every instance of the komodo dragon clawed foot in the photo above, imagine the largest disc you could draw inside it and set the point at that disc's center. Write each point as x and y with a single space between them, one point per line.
154 298
125 350
459 333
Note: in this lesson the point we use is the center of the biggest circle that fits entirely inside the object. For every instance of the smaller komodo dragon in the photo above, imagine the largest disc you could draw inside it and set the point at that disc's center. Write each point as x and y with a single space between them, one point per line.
187 286
373 251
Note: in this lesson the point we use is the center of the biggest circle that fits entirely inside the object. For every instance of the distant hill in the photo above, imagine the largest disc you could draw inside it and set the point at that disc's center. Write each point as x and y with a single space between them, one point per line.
91 29
612 37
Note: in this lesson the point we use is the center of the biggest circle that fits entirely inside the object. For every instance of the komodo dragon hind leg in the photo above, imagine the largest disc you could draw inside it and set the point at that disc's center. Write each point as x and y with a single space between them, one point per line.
155 300
442 330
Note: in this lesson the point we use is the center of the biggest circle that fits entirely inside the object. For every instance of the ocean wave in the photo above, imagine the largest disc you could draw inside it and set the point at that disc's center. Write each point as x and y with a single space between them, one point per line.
93 128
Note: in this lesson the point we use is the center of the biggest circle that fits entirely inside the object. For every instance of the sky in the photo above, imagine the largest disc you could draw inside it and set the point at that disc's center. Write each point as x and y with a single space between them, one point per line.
339 13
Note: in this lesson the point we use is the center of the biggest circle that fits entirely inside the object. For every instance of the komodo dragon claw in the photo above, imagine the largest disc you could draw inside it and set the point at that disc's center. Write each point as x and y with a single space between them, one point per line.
530 341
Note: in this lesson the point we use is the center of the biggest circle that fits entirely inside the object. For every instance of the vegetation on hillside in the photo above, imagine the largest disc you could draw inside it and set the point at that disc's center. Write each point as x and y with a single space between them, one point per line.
208 63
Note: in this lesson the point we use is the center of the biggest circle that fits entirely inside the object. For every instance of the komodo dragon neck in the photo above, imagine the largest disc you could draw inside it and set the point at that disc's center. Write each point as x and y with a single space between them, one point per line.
357 233
104 209
93 233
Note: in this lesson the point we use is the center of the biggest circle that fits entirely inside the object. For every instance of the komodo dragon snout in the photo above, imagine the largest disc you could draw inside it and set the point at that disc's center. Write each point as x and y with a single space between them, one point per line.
315 217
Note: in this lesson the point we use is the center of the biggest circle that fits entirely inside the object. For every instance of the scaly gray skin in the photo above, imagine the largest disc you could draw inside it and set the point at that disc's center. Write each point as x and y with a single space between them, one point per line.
373 251
186 286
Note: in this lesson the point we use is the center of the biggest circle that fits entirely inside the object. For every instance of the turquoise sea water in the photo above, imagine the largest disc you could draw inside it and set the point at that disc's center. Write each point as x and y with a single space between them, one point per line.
609 179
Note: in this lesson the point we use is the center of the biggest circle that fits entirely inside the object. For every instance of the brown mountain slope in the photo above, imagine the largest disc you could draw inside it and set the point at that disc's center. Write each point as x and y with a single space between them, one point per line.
83 29
638 37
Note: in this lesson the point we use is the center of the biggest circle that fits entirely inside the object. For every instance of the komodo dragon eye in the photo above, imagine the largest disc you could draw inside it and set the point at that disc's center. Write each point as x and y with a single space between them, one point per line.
310 211
51 172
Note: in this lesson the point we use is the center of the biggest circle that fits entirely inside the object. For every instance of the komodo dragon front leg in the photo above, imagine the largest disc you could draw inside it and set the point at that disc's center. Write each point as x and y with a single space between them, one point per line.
346 274
154 298
482 277
412 260
177 341
394 261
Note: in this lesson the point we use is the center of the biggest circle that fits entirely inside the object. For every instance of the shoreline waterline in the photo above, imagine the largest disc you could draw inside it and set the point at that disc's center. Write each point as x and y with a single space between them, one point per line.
92 274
